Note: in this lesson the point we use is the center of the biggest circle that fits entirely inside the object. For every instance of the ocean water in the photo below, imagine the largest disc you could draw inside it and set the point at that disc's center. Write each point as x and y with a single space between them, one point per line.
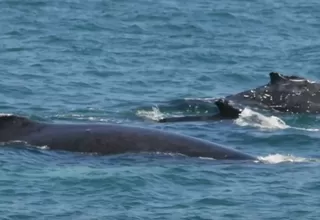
130 62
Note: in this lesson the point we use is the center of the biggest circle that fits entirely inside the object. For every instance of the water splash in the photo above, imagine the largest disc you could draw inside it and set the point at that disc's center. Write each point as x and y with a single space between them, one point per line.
5 114
251 118
155 114
279 158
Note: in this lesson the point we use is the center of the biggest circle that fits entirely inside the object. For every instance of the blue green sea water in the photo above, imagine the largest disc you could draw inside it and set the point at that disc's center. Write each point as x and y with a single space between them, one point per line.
129 62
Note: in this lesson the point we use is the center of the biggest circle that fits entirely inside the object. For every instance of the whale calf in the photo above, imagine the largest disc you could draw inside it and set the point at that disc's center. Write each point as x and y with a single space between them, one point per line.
106 139
290 94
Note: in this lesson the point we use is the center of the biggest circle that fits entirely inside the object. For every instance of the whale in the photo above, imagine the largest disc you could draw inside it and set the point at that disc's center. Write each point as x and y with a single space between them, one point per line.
109 139
282 94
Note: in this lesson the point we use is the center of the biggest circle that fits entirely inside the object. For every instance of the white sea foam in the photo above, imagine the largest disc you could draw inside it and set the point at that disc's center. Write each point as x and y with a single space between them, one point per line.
279 158
251 118
155 114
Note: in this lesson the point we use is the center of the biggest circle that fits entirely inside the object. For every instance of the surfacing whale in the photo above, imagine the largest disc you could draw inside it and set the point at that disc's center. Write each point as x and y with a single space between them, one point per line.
290 94
106 139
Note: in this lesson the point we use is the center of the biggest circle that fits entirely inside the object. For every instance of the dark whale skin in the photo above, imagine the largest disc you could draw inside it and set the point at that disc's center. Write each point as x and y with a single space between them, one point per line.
292 94
282 94
108 139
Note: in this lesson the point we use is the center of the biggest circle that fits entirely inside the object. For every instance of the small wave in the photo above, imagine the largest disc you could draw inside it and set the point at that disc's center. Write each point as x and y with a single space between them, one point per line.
44 147
210 100
80 117
154 114
5 114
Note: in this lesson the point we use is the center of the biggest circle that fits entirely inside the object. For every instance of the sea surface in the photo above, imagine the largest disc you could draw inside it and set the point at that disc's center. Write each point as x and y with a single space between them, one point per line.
133 61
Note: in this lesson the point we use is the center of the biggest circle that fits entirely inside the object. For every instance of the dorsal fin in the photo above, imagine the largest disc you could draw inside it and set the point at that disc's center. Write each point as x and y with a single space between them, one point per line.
227 110
276 77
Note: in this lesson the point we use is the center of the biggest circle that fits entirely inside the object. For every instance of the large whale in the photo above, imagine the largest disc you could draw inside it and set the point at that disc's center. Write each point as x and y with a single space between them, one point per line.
106 139
290 94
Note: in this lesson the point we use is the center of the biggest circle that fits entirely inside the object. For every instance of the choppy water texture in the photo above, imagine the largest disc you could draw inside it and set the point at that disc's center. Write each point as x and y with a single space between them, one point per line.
112 61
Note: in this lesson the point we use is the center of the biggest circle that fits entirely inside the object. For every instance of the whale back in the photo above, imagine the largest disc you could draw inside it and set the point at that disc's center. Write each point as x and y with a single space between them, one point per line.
106 139
12 126
284 93
293 94
276 77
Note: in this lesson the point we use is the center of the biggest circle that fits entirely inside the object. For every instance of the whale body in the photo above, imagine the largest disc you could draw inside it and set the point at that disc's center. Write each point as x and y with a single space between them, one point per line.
107 139
291 94
284 94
